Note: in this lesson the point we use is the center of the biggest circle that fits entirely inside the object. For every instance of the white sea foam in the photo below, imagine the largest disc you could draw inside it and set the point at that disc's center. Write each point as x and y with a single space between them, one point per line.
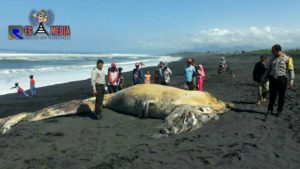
62 56
46 75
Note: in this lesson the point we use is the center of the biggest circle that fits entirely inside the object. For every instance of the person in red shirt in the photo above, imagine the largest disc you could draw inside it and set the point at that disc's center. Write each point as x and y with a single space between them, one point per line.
32 86
113 78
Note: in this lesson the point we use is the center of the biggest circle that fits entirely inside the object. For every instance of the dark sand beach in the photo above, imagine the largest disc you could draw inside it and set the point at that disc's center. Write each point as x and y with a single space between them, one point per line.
239 139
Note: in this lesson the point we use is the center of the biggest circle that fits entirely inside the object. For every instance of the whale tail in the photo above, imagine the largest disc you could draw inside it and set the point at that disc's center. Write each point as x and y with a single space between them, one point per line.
8 122
63 109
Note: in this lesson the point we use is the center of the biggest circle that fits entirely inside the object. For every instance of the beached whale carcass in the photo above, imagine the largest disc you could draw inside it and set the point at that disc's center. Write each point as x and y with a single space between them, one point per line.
182 110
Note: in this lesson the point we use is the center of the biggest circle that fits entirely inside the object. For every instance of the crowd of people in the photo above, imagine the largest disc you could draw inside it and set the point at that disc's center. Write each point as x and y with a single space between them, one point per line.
272 77
116 82
194 76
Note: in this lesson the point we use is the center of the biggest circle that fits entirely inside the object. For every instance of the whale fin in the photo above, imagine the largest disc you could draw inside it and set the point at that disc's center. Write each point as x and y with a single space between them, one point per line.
143 107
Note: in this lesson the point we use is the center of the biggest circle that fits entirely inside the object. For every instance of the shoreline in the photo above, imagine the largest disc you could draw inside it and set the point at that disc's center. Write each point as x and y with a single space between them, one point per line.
80 89
52 70
239 139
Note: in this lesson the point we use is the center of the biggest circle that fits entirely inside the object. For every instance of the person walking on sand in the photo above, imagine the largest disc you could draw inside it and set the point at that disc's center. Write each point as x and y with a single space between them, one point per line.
279 67
137 75
98 84
147 77
258 72
113 77
200 77
189 73
167 73
32 86
222 65
20 92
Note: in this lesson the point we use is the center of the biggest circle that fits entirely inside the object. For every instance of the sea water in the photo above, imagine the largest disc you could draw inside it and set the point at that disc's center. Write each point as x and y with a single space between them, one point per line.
55 68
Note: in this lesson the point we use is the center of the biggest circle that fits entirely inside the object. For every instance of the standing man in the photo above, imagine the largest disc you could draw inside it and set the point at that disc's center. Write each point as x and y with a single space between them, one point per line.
280 66
161 77
222 65
262 87
189 73
113 78
121 81
167 72
137 75
98 84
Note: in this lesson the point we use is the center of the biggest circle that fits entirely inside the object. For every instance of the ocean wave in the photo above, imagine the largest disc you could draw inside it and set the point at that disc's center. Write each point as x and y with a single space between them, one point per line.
45 69
62 56
54 74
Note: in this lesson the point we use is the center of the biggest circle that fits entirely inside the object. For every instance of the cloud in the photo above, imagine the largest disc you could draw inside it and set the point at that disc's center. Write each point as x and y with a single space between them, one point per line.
253 36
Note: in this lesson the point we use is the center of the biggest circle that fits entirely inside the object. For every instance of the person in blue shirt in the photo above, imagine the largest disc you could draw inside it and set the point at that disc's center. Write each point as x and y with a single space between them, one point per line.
137 75
189 73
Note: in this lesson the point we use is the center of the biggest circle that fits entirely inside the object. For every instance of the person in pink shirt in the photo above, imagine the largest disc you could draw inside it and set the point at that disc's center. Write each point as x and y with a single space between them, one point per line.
20 92
200 77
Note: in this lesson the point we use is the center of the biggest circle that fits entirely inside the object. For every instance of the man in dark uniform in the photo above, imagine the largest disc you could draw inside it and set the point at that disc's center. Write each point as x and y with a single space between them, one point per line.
279 68
98 84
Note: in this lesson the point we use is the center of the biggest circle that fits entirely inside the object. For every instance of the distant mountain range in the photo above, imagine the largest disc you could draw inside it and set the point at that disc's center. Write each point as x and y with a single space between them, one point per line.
216 48
211 48
42 51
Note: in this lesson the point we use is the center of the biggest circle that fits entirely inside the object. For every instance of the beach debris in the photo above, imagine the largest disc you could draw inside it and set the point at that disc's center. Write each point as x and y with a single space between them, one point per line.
181 110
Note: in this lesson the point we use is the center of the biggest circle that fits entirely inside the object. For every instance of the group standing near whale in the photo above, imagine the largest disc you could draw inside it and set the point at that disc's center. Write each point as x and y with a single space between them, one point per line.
182 110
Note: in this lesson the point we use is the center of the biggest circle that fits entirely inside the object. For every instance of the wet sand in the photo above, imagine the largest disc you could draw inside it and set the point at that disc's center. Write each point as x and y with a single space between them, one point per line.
239 139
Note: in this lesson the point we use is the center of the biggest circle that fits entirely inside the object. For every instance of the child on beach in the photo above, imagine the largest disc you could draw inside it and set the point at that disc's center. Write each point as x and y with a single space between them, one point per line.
147 77
200 77
20 92
32 86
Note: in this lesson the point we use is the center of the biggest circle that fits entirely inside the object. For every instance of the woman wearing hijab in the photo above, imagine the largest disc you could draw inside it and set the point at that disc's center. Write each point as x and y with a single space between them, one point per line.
200 77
